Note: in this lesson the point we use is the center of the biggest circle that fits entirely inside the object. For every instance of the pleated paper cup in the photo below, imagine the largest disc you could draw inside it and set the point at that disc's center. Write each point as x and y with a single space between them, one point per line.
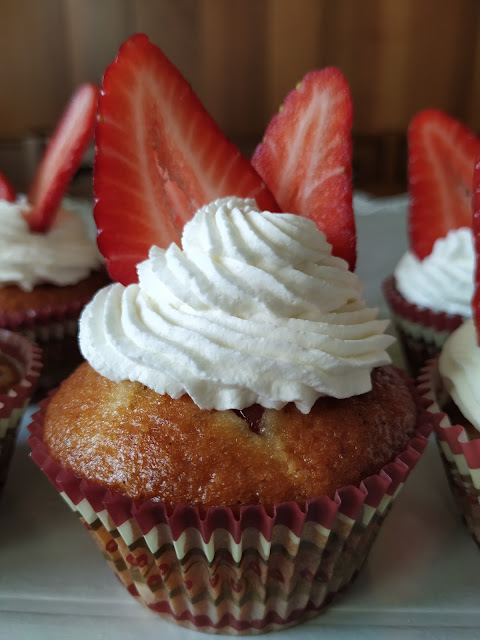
246 570
54 327
460 453
421 331
26 356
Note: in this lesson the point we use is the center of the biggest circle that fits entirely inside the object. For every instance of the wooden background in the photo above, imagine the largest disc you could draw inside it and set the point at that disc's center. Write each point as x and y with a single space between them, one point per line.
242 57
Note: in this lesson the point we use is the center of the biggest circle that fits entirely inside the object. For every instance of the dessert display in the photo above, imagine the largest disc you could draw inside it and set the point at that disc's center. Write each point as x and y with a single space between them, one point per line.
430 292
20 365
49 266
450 383
236 435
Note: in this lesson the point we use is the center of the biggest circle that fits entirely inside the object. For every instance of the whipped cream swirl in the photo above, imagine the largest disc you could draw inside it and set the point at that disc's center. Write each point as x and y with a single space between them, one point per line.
459 367
443 281
255 309
63 255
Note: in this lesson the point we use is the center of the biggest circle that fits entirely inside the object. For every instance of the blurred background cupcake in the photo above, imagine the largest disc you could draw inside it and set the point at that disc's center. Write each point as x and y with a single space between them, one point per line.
20 365
451 383
49 263
430 292
448 382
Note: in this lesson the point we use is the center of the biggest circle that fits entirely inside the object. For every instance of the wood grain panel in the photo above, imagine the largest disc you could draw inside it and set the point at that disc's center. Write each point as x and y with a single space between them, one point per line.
243 56
95 30
175 27
34 73
439 56
472 112
367 40
295 44
232 82
400 57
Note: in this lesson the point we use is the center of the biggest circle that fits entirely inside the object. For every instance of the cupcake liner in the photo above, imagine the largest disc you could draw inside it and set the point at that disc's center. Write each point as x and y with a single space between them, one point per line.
460 455
55 330
12 403
421 331
246 570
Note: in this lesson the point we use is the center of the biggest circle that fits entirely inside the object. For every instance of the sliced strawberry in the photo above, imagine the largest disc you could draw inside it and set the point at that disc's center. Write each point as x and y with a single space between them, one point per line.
7 192
159 157
62 157
305 157
476 237
441 153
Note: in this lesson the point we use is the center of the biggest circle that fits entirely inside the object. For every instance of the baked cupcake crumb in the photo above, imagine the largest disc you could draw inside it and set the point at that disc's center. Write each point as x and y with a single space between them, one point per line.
149 446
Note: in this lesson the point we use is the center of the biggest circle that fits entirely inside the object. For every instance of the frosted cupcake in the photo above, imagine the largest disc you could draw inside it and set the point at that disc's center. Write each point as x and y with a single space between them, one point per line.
236 436
430 292
451 384
257 436
49 266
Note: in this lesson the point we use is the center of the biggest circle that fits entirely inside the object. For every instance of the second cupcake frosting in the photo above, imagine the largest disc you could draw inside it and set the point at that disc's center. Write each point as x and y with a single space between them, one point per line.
443 281
459 366
253 309
64 255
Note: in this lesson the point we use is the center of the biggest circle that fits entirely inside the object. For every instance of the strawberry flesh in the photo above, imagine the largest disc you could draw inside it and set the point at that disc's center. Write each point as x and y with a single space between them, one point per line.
476 239
305 157
62 157
159 157
7 192
441 153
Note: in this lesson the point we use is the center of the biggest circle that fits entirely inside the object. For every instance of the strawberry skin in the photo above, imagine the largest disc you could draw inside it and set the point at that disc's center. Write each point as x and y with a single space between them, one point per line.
62 157
476 239
441 154
159 157
7 192
305 157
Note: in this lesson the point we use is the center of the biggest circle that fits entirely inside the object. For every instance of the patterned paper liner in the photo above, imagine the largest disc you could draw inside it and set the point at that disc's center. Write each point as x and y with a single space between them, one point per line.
421 331
55 330
460 454
12 404
238 571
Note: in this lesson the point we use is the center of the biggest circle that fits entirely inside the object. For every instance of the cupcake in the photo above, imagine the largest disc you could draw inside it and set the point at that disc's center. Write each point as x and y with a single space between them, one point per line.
20 364
430 291
236 435
449 382
49 266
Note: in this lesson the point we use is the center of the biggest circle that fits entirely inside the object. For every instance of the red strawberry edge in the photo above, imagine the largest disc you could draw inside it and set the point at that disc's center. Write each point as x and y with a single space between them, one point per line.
159 157
62 157
7 192
441 153
476 239
305 157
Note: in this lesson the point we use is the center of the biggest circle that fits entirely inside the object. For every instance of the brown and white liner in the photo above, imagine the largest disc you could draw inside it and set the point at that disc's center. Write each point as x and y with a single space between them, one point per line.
27 356
460 454
237 571
421 331
55 330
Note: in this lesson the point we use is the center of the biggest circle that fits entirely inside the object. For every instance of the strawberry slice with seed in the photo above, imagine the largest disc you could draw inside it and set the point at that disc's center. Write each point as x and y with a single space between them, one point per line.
476 239
305 157
7 192
441 155
62 157
159 157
